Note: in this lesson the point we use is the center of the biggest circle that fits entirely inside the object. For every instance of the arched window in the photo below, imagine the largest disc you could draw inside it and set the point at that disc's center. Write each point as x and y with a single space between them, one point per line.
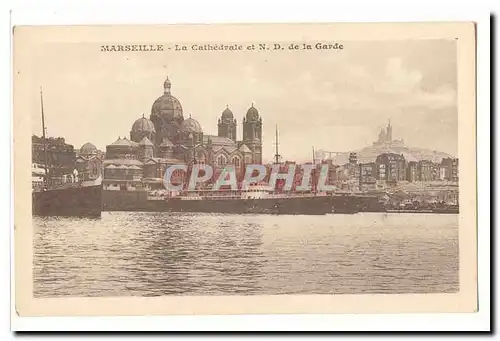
221 160
201 158
236 161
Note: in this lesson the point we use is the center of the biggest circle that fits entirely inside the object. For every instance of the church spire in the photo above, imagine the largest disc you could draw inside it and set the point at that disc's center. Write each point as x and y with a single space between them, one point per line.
389 130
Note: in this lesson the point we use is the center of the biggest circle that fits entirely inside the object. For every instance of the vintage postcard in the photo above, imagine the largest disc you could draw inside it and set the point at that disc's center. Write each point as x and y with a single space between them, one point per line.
243 169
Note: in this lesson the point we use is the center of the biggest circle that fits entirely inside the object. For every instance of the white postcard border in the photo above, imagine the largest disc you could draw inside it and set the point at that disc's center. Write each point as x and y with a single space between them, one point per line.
483 128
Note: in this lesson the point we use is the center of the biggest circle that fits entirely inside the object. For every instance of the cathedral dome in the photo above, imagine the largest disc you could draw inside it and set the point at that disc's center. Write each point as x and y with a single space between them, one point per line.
88 149
143 125
167 106
191 125
252 114
227 114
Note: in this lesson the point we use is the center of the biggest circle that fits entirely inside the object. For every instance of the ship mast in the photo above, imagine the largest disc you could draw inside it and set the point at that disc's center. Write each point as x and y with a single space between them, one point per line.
313 181
276 155
44 138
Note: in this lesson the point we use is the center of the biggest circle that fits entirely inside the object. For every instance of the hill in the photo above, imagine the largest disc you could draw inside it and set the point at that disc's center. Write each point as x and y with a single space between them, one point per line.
370 153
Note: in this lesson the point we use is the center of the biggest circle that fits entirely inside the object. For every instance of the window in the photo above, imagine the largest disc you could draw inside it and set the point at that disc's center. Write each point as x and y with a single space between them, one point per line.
200 158
221 160
236 161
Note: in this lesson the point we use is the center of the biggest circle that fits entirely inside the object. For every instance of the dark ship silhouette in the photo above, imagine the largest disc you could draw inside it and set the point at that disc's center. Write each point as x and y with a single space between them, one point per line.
63 195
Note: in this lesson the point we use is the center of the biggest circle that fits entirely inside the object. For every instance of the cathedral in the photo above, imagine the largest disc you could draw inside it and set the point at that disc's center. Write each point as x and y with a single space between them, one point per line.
168 138
385 137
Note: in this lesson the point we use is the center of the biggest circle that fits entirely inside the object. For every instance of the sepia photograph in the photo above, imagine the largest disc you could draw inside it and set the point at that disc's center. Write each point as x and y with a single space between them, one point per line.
261 168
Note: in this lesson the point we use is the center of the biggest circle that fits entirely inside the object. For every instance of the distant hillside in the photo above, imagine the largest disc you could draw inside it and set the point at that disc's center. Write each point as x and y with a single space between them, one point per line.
370 153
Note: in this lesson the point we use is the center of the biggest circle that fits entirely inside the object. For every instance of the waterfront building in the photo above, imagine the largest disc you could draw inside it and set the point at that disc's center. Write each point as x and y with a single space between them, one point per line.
442 172
412 172
391 167
58 156
352 166
342 173
450 169
89 162
122 167
435 170
368 176
427 170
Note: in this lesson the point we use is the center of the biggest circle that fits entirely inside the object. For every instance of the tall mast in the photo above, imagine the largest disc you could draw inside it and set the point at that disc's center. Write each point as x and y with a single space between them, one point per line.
277 155
43 136
277 144
313 181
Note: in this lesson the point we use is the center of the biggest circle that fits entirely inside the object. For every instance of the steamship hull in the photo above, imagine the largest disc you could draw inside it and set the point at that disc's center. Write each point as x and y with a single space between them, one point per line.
338 204
288 206
138 201
84 201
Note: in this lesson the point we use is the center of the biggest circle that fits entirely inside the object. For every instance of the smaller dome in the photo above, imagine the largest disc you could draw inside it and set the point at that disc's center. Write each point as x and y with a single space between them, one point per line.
227 114
191 126
252 114
88 149
143 125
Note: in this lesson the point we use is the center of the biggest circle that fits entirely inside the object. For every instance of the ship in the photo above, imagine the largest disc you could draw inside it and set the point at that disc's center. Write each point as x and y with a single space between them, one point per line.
257 199
63 194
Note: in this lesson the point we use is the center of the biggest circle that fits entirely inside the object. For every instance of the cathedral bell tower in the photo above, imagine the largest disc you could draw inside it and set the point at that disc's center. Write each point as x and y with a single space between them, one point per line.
252 133
227 125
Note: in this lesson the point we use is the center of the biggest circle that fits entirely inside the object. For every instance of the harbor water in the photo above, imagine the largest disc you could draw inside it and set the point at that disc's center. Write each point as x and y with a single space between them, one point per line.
156 254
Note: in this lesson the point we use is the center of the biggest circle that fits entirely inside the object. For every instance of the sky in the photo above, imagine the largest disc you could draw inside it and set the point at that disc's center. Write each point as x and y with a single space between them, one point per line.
332 100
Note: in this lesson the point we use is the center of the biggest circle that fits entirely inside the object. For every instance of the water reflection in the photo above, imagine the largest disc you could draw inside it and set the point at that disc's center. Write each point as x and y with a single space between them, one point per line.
144 254
177 254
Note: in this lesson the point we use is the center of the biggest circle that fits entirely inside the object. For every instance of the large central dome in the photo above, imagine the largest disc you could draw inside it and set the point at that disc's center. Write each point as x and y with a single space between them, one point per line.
167 106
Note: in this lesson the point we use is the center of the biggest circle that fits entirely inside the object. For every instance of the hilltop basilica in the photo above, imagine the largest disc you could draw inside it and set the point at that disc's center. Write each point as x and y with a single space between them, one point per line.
167 138
385 137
